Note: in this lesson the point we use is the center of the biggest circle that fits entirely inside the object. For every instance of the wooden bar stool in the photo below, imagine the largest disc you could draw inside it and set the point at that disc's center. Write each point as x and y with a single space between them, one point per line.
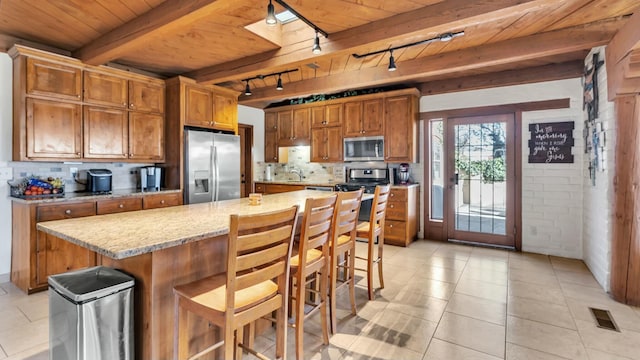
372 229
311 266
343 250
255 284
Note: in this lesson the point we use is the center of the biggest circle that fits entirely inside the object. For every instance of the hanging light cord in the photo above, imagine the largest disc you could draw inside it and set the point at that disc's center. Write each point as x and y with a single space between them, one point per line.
278 74
442 37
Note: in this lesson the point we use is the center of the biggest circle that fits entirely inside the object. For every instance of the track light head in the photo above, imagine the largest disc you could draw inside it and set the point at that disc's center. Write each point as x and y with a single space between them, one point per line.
271 15
247 89
316 44
392 62
279 86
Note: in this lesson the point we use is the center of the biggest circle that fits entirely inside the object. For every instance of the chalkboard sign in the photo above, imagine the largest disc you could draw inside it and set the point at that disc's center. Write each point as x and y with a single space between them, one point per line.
551 142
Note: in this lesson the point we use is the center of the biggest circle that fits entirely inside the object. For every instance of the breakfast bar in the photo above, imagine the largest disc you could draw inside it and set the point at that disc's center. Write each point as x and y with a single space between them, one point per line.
162 248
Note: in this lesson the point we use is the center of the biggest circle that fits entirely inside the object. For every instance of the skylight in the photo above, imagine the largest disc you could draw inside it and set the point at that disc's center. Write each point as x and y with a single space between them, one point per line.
286 17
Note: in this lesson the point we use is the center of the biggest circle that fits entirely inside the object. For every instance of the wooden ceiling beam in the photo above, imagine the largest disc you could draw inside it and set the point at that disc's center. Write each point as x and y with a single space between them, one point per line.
166 17
452 15
514 50
566 70
619 62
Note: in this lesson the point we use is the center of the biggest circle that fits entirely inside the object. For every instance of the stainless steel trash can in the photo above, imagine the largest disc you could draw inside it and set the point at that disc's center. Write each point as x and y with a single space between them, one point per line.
91 315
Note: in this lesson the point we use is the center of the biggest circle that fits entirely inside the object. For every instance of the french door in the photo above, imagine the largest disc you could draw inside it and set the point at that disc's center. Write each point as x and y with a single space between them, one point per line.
480 171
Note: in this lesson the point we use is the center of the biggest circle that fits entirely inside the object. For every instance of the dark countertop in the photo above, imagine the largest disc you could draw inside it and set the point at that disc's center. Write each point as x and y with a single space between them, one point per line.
74 196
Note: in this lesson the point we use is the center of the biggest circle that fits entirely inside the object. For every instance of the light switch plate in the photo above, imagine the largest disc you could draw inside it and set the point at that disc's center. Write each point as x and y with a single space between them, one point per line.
6 173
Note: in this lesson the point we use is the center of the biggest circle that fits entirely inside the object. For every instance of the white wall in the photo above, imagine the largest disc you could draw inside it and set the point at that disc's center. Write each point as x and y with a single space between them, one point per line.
6 116
552 193
251 116
597 200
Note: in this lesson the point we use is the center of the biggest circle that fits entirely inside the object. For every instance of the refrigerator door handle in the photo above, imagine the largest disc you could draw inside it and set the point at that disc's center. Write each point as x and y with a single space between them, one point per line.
216 175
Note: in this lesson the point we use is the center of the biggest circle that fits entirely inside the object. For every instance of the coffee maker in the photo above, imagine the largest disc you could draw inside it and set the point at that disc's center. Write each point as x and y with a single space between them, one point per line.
402 174
150 178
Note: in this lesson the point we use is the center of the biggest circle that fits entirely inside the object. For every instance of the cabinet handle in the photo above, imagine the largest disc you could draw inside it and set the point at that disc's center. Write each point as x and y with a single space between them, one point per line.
132 106
68 211
391 194
391 206
124 104
162 202
121 206
361 131
390 225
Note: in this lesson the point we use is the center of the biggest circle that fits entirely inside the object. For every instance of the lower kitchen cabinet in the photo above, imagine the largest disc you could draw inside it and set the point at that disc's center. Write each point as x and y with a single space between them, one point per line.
277 188
401 221
36 255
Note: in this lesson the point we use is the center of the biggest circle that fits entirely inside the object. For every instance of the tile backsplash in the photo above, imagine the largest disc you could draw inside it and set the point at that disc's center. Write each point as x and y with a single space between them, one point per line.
125 175
298 158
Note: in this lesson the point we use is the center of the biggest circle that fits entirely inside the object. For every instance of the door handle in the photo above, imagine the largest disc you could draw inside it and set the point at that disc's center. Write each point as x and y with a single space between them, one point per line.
454 179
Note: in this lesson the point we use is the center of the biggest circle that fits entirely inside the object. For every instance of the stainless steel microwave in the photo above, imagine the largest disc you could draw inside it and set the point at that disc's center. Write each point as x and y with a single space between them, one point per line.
364 148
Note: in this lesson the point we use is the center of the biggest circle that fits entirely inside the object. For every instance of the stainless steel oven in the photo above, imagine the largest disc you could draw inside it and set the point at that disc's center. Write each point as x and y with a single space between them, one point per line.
364 178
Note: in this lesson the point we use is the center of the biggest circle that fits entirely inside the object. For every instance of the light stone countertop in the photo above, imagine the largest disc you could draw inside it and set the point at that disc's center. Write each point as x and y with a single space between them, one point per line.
123 235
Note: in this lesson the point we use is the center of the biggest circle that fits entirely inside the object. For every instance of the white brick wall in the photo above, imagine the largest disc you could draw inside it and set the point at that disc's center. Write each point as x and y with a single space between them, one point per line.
552 193
597 199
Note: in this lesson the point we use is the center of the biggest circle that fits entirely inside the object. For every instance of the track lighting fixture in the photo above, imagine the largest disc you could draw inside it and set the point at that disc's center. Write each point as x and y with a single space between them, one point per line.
279 85
247 89
271 15
392 61
272 20
316 44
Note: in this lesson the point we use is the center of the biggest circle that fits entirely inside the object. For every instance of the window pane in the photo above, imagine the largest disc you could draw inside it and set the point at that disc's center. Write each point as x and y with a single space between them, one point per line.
437 168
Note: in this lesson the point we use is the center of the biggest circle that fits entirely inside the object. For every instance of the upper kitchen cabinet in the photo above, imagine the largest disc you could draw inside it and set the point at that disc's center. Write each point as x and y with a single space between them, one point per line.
52 130
326 115
197 106
363 118
210 107
401 116
294 126
225 110
64 109
326 144
52 79
270 137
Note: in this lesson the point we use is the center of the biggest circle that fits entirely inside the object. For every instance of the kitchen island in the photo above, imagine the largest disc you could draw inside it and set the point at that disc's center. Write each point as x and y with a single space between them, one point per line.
162 248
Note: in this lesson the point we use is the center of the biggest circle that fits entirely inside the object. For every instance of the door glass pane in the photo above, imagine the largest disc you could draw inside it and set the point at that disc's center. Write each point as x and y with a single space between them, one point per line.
480 169
437 169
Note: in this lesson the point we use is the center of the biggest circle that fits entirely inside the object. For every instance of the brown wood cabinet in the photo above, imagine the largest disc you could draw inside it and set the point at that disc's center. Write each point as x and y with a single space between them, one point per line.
293 127
53 79
401 220
401 115
50 111
270 137
225 112
268 188
210 108
363 118
326 115
36 255
326 144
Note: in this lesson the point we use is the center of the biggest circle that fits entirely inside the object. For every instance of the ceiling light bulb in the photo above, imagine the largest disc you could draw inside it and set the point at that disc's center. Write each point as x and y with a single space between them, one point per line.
247 89
279 86
316 45
271 15
392 62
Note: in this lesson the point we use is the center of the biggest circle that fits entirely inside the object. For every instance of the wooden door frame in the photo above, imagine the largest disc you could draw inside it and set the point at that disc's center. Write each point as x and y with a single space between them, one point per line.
246 133
436 230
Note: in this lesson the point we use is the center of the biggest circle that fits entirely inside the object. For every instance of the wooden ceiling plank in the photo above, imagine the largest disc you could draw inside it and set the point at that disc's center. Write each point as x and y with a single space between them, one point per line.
627 39
167 16
411 26
539 45
567 70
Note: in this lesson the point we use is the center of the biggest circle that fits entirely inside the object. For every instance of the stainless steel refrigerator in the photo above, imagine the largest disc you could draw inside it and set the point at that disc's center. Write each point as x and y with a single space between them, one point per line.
212 166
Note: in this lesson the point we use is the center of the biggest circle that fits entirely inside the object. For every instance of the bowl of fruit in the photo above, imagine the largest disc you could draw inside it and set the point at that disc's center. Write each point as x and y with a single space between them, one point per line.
33 187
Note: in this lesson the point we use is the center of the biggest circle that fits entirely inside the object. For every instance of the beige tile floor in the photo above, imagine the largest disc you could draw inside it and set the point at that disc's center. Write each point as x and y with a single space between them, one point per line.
441 301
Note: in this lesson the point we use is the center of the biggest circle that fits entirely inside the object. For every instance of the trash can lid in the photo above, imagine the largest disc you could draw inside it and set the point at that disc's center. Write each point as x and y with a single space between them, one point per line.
91 283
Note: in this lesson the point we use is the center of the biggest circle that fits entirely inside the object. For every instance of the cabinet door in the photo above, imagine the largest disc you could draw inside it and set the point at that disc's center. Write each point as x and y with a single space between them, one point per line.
318 145
318 116
106 133
105 89
353 119
146 96
198 110
285 128
225 112
53 130
113 206
301 126
146 136
325 116
334 144
400 125
372 117
270 137
45 78
161 200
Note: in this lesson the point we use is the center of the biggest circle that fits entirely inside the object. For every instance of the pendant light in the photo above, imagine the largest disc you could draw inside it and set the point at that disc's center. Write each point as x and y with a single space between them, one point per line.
247 89
271 15
392 62
316 44
279 85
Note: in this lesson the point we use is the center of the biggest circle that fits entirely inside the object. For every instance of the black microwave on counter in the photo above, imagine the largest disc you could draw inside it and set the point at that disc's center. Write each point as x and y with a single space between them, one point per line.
364 148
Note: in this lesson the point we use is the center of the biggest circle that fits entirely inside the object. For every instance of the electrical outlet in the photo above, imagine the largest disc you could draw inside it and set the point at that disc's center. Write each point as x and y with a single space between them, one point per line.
73 171
6 173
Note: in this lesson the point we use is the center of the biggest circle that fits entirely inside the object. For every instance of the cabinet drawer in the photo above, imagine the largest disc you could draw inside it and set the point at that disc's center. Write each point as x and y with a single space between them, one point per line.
394 229
65 211
161 200
398 195
118 205
396 210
